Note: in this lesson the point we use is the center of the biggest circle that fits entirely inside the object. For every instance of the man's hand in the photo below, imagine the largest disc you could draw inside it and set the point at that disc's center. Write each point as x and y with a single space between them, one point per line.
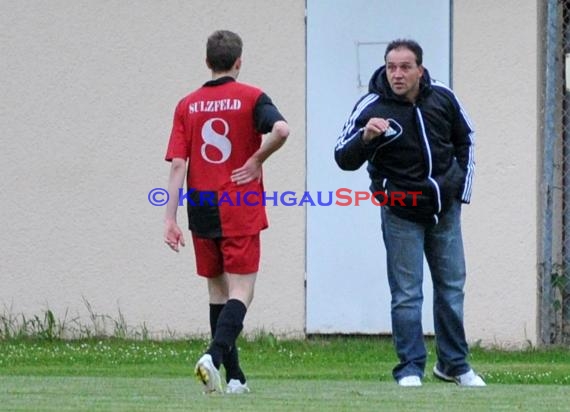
173 235
251 170
374 128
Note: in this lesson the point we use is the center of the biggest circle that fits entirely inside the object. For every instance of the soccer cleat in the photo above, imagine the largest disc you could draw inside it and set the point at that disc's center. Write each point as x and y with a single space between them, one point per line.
208 374
236 387
411 380
469 378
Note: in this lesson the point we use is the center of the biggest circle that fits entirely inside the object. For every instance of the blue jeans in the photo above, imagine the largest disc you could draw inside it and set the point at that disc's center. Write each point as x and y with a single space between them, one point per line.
406 242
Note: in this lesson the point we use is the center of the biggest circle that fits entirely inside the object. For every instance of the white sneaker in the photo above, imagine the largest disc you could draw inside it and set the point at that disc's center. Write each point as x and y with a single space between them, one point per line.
411 380
208 374
469 378
236 387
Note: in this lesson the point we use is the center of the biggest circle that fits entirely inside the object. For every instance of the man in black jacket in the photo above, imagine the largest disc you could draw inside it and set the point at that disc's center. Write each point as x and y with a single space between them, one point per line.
417 140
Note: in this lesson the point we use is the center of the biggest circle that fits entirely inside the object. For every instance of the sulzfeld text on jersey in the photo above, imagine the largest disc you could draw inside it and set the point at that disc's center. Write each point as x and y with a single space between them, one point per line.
215 105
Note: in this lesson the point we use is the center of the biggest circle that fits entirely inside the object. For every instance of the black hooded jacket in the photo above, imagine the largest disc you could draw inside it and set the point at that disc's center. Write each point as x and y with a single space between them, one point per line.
427 149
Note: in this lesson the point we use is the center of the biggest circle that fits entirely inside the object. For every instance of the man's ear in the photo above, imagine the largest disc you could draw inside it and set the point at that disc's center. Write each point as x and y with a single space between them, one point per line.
237 64
208 64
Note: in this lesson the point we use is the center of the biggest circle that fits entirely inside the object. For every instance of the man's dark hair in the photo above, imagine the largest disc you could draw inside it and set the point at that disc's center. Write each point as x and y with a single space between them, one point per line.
222 50
409 44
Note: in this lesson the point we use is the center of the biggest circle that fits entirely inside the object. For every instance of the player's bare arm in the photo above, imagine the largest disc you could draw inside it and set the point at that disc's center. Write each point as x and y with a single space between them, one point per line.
172 234
374 128
251 169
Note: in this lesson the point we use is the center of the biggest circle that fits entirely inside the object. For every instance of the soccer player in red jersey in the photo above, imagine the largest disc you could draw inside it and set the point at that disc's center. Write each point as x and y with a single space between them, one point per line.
218 130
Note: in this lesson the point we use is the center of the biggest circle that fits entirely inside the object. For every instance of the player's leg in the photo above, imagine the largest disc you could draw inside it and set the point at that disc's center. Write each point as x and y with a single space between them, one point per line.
230 324
218 295
241 261
218 291
209 264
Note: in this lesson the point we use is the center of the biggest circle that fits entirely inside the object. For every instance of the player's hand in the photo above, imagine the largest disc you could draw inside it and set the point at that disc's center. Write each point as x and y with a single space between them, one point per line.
251 170
374 128
173 235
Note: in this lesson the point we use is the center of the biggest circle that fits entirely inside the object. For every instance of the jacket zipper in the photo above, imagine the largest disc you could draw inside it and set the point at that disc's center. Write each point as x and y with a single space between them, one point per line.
430 165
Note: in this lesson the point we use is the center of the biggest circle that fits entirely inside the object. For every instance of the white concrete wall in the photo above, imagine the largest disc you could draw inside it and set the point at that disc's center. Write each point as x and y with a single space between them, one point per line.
87 94
88 91
495 74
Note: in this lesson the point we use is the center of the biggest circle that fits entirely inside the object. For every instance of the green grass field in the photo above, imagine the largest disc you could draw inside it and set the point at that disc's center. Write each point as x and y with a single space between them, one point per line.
332 374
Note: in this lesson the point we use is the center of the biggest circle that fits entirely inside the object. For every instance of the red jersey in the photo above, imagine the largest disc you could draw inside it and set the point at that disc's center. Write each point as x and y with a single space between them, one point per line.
215 128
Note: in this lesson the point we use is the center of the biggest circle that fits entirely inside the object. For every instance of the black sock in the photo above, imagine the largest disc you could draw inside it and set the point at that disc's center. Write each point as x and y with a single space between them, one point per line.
231 363
228 328
215 310
231 359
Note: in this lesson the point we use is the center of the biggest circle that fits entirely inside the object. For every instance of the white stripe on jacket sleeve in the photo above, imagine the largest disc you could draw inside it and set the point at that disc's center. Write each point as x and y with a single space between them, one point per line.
348 130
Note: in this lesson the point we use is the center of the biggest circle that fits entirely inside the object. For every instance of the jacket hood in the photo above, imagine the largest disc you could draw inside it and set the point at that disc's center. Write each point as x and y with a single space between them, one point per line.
379 84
